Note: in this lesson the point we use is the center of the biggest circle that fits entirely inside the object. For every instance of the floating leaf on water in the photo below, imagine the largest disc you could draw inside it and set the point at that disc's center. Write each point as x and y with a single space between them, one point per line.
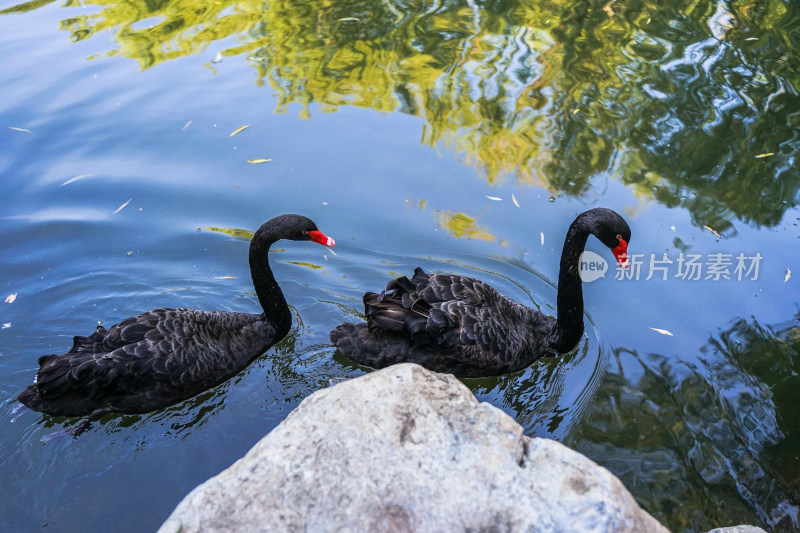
11 297
348 19
23 130
234 232
514 199
224 277
309 265
186 126
237 130
76 178
785 279
713 231
759 156
123 206
541 237
257 161
663 331
495 198
751 39
462 225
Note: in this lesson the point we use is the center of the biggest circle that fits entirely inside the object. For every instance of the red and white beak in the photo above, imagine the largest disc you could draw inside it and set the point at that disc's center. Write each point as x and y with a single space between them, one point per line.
621 253
321 238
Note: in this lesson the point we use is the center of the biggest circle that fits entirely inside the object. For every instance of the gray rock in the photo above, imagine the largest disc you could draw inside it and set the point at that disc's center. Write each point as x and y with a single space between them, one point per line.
738 529
404 449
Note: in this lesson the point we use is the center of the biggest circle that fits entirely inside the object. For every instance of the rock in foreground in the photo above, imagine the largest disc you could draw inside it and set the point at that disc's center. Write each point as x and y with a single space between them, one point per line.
405 449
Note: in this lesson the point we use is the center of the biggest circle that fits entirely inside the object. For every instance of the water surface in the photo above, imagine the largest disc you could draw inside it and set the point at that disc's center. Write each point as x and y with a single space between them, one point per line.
458 136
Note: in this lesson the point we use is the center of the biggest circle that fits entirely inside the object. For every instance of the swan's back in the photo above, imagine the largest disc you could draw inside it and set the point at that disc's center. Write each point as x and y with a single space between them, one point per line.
448 323
148 361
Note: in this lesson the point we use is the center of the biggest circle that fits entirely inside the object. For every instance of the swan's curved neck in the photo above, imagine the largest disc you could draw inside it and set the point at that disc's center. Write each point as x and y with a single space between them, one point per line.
270 296
569 319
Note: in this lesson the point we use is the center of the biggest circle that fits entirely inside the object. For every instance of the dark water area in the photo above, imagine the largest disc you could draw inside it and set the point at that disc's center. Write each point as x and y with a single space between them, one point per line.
457 136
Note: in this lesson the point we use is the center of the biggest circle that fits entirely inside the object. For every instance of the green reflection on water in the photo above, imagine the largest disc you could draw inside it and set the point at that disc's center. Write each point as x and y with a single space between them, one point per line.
238 233
677 101
462 225
312 266
703 445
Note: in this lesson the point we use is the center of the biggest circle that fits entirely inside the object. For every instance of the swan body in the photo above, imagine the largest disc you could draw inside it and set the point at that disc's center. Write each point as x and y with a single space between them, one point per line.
163 356
457 324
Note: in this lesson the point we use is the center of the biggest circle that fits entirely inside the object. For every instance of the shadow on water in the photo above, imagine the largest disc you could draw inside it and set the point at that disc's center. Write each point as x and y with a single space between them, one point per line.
706 444
173 420
692 104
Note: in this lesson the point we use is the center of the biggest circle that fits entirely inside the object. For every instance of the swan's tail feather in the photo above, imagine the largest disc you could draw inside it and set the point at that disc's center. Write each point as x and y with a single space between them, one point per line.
407 315
377 350
64 384
45 358
91 344
30 398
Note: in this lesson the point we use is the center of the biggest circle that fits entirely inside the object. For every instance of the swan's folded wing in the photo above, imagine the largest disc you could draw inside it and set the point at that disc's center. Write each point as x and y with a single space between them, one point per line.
438 288
136 328
137 352
441 288
129 331
84 375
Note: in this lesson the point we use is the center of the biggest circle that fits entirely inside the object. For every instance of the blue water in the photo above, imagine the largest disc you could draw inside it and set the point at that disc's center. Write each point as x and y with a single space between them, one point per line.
115 181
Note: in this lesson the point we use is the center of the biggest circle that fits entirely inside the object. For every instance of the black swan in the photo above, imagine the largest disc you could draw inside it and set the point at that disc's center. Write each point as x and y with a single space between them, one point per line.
451 323
164 356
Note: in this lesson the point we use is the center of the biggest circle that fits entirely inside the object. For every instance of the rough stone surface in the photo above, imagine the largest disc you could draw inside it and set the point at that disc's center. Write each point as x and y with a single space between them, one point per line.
404 449
738 529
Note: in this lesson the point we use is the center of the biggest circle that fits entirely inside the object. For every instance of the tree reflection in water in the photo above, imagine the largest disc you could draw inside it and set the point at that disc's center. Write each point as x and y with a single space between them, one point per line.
722 433
691 103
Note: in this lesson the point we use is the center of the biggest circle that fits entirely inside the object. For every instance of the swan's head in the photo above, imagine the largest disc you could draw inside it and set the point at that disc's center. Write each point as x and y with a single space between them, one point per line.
612 230
298 228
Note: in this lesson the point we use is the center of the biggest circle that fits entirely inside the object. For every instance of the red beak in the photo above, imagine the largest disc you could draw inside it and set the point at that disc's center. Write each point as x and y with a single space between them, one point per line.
621 253
321 238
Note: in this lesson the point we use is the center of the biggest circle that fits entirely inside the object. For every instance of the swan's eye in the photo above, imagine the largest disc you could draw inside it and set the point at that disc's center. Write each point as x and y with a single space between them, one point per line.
619 237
